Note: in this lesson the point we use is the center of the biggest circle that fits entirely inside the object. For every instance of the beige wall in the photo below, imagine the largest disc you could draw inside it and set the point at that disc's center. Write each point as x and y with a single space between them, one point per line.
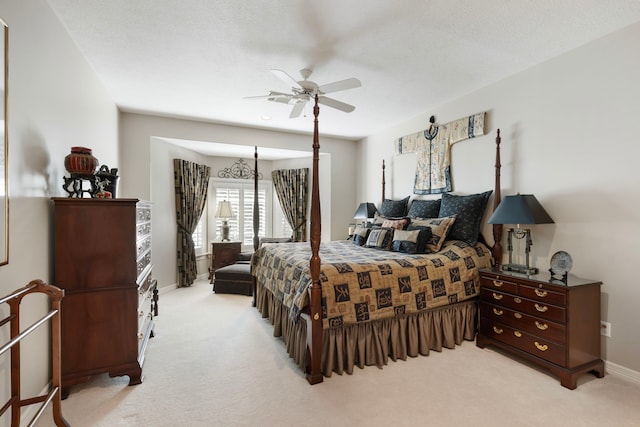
55 102
569 136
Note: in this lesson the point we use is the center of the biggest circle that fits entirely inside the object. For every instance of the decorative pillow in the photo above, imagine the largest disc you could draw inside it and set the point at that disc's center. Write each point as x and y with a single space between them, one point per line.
412 241
360 235
394 208
469 211
380 238
439 230
398 224
424 208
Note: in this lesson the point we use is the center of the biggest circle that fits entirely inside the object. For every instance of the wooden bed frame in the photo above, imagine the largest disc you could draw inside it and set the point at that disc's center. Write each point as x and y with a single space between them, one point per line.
313 316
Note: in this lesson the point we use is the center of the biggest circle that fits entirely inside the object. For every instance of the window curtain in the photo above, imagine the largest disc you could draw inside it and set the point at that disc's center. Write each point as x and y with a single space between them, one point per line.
191 182
292 189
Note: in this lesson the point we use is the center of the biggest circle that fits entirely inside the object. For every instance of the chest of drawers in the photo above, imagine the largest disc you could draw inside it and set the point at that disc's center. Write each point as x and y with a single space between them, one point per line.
553 324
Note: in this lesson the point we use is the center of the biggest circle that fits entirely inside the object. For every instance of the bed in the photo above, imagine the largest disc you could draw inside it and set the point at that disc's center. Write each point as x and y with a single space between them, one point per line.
338 305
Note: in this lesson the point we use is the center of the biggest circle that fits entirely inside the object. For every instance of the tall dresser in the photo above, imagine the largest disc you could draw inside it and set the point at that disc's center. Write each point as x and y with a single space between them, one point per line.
102 260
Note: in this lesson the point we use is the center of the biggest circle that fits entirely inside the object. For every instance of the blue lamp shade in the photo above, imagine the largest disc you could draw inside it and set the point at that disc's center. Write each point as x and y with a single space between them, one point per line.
365 210
520 209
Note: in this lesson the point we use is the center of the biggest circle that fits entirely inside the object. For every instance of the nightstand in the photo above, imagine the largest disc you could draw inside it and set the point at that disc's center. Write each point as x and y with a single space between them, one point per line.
548 322
223 254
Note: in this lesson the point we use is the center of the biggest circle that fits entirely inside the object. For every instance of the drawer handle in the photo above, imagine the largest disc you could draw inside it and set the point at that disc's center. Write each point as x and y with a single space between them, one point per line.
517 315
540 293
497 330
498 312
497 283
542 326
517 333
541 347
541 308
141 313
517 300
497 296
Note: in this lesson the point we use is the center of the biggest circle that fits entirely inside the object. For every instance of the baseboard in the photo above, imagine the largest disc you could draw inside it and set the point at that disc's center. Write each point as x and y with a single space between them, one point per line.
622 372
166 289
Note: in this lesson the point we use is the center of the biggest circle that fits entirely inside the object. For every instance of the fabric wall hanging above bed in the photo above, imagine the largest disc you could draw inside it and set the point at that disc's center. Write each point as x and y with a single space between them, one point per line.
432 146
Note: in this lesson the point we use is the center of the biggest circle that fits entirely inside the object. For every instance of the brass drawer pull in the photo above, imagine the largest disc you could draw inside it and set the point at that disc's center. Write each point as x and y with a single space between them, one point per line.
541 347
497 296
497 312
517 300
497 283
517 333
540 293
517 315
497 330
542 326
541 308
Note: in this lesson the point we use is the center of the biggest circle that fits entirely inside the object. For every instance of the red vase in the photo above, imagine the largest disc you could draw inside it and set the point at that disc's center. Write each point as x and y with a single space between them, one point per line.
80 161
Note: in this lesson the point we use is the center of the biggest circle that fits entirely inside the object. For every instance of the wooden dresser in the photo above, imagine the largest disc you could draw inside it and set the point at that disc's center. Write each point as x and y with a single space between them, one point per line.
553 324
223 254
102 260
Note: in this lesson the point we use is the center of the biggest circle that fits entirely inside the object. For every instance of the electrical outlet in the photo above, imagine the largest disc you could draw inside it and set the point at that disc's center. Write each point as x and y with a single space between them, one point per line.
605 328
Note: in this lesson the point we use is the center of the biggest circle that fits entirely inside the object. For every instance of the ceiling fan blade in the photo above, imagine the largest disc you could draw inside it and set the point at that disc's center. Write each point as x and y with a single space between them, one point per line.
286 78
334 103
340 85
297 109
270 95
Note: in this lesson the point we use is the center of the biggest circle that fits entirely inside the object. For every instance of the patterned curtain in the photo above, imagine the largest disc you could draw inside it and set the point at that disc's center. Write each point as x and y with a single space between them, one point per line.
292 188
191 182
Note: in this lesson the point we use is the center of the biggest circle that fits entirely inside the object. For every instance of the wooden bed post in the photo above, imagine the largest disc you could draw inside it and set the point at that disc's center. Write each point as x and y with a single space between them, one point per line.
314 324
256 220
383 182
497 228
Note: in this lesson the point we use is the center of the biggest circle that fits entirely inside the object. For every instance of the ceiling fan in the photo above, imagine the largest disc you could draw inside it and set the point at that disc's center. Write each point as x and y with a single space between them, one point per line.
304 90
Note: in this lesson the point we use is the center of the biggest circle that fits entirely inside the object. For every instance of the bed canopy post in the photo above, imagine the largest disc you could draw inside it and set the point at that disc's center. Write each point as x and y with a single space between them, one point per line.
256 205
383 182
496 250
314 325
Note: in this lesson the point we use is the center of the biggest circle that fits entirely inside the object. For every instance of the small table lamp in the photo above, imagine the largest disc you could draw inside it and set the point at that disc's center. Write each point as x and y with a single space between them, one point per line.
224 211
520 209
366 211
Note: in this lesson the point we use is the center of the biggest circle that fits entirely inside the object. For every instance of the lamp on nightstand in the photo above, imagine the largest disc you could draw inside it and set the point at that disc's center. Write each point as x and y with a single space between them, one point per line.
224 212
365 211
520 209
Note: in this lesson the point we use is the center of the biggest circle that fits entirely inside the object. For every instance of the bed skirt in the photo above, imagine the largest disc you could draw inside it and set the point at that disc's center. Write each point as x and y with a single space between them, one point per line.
372 343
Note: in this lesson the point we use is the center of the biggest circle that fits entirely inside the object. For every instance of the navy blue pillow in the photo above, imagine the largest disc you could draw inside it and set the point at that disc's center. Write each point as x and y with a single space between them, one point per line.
424 208
469 211
394 208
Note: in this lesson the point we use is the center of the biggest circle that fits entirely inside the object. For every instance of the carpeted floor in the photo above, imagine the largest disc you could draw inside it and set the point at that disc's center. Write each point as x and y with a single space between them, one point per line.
214 362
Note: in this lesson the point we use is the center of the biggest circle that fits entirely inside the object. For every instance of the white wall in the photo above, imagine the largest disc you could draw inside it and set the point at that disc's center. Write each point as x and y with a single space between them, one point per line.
55 102
569 136
137 177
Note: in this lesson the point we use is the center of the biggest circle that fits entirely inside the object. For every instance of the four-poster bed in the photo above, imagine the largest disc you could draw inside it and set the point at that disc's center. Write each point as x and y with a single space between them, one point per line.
330 326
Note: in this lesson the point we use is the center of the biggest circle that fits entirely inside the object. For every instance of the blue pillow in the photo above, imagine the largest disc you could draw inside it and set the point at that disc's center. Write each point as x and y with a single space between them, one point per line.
468 211
424 208
394 208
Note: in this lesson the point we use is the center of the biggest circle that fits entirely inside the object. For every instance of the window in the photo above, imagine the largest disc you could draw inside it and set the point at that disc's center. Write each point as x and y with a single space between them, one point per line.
239 192
198 234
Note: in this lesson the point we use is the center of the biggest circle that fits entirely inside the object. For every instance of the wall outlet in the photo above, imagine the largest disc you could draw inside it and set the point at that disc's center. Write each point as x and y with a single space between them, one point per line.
605 328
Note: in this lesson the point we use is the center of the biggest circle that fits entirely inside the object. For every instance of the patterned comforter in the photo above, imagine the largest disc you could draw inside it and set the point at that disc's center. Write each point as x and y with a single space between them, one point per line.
361 284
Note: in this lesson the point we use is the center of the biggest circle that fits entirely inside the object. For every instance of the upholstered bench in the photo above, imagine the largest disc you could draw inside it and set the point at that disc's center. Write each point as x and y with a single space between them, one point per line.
233 279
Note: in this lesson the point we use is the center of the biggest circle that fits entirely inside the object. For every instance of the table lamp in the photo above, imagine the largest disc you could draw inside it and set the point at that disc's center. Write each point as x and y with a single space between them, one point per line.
366 211
520 209
224 212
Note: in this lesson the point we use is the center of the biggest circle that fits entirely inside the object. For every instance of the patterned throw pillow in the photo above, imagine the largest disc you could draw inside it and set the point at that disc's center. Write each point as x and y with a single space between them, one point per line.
394 208
439 230
380 238
360 235
412 241
469 211
398 224
424 208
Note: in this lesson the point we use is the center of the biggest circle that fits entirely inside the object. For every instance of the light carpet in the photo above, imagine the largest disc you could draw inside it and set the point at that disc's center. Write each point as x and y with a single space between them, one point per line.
214 362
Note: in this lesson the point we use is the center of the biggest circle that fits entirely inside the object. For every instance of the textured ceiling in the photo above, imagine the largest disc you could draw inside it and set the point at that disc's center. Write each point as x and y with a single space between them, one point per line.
199 58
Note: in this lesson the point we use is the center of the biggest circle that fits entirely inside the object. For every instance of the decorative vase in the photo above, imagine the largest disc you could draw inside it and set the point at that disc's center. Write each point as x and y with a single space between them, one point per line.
80 161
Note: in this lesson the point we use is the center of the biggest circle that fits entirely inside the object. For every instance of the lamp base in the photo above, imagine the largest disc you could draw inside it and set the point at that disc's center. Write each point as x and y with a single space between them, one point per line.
520 269
225 231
